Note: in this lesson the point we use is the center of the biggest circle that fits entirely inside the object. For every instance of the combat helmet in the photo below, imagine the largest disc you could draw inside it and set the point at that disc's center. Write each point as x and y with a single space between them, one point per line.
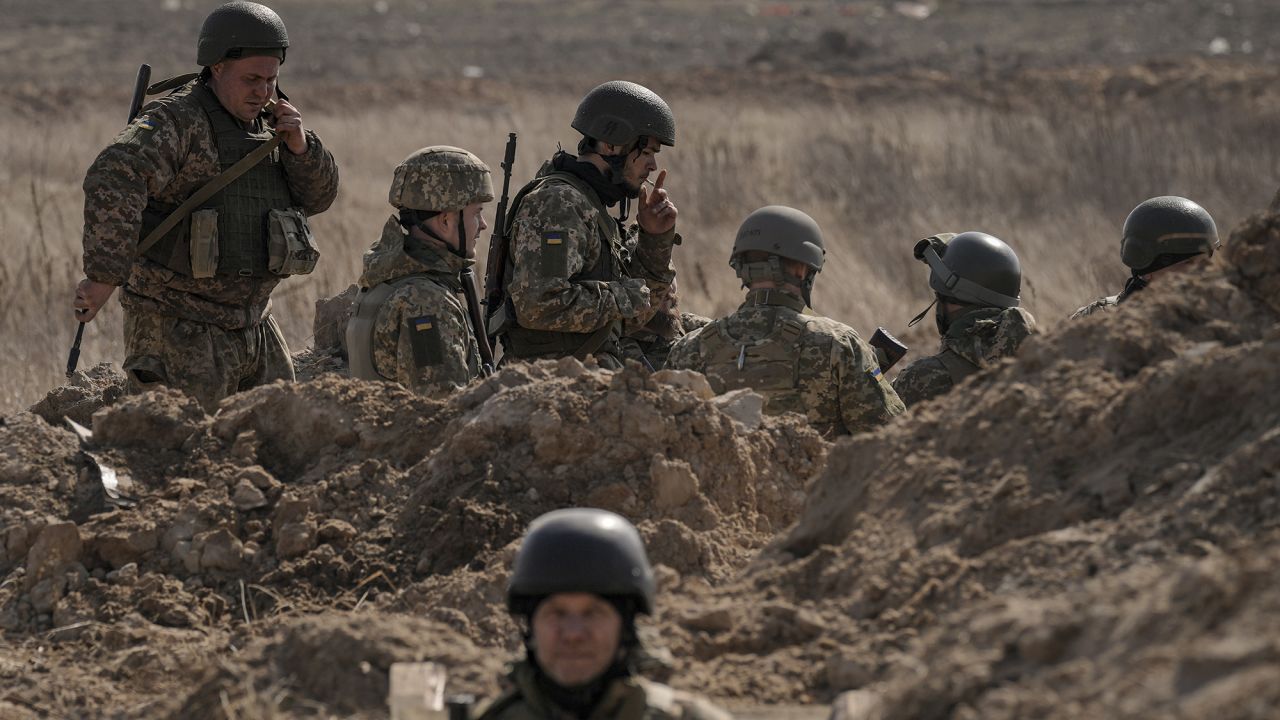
1164 231
972 268
440 178
581 550
782 232
620 112
241 28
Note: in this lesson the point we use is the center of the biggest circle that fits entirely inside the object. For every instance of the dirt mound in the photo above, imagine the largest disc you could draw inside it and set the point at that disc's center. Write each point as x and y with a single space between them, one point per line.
1139 438
85 392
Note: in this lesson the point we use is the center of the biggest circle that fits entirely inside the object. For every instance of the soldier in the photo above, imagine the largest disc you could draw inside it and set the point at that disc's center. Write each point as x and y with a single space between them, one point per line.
408 324
650 343
976 279
800 363
1162 236
580 578
196 301
568 281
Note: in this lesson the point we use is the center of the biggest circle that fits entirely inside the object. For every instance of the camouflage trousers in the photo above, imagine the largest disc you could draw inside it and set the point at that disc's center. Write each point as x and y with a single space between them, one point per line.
205 361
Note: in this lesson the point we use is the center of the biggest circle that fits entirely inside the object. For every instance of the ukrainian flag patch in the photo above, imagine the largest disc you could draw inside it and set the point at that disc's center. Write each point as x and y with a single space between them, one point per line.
875 373
424 323
146 124
554 237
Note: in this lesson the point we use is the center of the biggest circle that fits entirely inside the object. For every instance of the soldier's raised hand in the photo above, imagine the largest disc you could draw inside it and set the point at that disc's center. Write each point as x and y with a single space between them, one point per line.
657 213
288 124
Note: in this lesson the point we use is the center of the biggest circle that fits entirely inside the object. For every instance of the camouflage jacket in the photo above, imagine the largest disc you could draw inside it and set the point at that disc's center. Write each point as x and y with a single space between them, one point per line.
167 154
422 336
973 340
631 698
651 343
800 363
557 237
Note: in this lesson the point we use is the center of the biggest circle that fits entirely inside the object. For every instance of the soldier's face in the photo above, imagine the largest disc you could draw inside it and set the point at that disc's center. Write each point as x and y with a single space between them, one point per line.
575 637
245 85
641 164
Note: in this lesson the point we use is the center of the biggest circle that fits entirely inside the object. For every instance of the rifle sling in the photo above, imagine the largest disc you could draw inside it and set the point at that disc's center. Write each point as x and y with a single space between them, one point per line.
211 188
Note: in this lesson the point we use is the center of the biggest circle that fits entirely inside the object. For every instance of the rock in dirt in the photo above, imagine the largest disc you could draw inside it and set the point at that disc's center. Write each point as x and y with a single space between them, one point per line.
86 392
56 546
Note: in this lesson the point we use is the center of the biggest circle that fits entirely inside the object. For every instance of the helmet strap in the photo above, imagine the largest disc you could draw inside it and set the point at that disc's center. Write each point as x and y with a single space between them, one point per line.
923 312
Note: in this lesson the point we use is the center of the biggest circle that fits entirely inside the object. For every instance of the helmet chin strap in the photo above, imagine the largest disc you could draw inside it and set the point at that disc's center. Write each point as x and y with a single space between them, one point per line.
461 249
923 312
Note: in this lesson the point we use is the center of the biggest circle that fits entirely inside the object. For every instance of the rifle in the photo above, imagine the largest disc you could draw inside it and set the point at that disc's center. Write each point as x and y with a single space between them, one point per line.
495 266
468 279
135 107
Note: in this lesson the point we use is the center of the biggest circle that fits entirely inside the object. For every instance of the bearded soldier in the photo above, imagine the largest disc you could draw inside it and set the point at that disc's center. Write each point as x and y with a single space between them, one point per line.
570 283
409 324
580 579
197 279
976 279
801 363
1162 236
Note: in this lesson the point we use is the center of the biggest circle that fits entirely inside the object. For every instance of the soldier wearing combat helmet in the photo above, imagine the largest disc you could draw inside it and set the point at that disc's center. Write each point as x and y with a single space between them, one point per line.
580 579
197 276
571 286
976 279
1163 235
801 363
409 325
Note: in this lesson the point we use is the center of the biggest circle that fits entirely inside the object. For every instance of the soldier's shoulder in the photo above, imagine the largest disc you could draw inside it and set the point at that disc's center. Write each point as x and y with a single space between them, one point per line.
425 295
822 325
554 196
667 702
921 374
1101 304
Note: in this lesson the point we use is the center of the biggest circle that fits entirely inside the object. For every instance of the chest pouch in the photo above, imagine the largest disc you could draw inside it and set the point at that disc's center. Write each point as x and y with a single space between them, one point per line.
291 249
204 243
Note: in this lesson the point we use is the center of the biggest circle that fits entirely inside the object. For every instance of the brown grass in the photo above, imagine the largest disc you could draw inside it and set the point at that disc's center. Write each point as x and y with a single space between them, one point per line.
1053 180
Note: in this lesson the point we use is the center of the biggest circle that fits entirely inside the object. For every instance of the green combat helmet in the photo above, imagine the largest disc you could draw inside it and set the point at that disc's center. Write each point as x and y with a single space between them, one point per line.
1164 231
238 29
782 232
973 268
440 179
581 550
620 112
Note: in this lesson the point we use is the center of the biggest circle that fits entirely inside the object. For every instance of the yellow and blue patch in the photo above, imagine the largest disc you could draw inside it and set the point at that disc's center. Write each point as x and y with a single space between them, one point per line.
875 373
145 124
424 323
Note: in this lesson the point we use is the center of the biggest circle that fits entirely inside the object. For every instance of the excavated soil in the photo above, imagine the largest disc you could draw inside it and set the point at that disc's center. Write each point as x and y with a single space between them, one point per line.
1091 529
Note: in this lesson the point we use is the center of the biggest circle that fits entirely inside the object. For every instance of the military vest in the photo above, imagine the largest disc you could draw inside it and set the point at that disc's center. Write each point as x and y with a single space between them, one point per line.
360 327
957 367
242 207
769 364
525 343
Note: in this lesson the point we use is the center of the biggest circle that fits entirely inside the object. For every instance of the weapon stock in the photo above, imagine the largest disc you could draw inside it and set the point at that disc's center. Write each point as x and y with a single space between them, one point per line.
495 265
139 91
468 279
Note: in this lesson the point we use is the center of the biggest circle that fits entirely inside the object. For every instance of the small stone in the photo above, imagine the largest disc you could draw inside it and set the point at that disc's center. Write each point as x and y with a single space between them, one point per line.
46 594
126 575
258 476
674 483
56 546
336 532
715 620
220 550
295 539
247 496
690 380
743 405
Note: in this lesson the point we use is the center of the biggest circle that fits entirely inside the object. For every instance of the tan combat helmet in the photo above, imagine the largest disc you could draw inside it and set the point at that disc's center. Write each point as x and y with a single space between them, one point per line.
440 179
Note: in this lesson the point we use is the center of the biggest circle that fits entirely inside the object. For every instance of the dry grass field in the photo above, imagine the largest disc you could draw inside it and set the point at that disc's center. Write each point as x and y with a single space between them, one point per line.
1049 159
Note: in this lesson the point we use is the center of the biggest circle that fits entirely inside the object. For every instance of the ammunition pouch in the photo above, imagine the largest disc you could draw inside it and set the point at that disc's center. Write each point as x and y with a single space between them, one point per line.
291 249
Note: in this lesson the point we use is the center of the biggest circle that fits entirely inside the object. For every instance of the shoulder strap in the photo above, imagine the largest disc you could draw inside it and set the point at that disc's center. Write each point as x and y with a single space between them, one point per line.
957 367
211 188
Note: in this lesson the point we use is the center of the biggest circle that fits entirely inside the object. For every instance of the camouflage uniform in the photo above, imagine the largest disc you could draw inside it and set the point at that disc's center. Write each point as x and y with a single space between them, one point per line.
650 344
628 698
800 363
568 269
161 158
972 341
422 336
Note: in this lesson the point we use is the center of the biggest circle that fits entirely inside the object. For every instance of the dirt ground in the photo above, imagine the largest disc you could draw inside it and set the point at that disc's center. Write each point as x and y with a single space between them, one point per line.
1091 529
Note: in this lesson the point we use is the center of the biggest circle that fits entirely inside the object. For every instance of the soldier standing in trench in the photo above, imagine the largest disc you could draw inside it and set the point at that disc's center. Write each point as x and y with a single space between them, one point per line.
569 283
408 324
1162 236
976 279
801 363
197 299
580 578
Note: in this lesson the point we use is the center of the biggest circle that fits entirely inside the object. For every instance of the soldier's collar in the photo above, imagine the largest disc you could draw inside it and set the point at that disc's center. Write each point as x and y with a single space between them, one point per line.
774 296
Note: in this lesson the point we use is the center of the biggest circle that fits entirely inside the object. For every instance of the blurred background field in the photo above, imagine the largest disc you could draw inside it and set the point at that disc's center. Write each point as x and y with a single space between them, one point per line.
1042 122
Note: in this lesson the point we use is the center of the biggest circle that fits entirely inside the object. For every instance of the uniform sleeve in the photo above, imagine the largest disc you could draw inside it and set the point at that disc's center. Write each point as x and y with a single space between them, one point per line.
423 342
651 261
867 400
553 237
685 353
313 175
923 379
141 161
